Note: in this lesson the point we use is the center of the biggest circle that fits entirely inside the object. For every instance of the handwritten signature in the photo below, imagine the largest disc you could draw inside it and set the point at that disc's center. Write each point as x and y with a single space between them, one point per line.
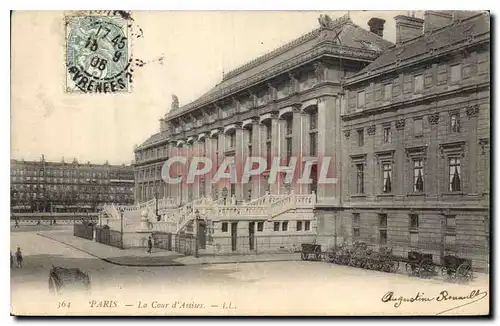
443 296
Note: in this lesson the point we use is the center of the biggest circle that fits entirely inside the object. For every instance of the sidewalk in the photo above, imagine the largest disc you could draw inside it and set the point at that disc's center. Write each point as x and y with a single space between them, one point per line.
124 257
232 259
139 257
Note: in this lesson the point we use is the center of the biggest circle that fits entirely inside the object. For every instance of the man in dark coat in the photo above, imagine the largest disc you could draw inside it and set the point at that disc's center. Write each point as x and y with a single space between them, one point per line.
150 245
19 257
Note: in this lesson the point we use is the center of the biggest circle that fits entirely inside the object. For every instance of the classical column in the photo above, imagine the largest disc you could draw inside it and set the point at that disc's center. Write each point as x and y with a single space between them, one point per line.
258 182
212 155
306 150
275 148
241 152
297 148
329 143
221 143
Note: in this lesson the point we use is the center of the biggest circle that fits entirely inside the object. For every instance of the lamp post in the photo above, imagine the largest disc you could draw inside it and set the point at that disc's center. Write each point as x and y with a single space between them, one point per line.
197 229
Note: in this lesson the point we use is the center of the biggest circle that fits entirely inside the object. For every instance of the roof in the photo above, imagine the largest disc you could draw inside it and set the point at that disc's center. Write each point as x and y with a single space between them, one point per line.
426 45
158 137
347 34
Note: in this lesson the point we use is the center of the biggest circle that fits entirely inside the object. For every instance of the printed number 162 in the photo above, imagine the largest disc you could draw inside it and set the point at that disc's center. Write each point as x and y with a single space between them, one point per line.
63 304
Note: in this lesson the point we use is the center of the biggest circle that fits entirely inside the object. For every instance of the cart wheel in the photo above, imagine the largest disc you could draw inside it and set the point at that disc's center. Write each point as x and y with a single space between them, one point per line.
426 269
53 290
464 273
395 267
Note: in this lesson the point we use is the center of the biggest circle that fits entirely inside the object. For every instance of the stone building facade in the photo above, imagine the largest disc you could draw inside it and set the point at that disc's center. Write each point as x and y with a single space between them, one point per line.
399 122
416 140
44 186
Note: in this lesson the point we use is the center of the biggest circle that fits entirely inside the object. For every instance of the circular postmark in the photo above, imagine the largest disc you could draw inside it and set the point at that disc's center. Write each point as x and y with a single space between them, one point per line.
97 54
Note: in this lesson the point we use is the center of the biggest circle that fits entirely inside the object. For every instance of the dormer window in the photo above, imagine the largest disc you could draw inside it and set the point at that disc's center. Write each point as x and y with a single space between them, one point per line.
369 45
361 99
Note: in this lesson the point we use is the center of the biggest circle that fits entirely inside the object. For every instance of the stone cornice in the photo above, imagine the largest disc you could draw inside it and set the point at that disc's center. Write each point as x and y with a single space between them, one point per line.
417 59
325 48
400 104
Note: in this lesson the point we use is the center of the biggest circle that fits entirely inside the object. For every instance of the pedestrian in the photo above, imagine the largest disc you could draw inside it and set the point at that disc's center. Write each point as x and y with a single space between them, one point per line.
19 258
11 260
150 245
17 223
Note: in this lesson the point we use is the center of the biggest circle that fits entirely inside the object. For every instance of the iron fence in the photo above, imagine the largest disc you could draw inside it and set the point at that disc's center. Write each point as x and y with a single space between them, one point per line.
257 244
84 230
185 244
109 237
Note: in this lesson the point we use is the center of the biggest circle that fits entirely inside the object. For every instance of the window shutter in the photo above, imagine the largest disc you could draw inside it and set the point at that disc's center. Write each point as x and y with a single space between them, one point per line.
378 92
442 75
428 80
408 84
396 87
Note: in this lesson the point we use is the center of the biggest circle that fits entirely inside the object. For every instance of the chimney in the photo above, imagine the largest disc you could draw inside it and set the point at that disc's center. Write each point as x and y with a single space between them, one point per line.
377 26
436 19
408 27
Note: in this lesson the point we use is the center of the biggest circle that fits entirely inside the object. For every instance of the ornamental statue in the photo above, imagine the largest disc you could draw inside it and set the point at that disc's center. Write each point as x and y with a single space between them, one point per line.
175 103
325 21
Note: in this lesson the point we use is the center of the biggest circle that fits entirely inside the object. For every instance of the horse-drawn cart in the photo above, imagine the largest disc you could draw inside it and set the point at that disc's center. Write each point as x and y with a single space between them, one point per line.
311 251
457 269
68 280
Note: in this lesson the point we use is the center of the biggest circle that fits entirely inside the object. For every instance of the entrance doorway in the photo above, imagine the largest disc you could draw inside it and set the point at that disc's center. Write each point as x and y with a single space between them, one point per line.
202 239
234 235
314 178
251 235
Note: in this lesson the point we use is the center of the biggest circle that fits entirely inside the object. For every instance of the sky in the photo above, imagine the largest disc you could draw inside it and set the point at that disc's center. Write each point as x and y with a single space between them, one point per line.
196 49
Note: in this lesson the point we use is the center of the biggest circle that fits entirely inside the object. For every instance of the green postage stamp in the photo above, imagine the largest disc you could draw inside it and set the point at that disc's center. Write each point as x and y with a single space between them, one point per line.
97 54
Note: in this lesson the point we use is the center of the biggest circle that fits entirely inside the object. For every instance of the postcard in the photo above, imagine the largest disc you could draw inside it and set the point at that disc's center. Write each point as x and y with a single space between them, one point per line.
250 163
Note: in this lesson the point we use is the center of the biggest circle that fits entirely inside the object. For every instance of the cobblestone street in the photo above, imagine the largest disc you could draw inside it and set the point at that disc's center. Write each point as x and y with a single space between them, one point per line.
289 285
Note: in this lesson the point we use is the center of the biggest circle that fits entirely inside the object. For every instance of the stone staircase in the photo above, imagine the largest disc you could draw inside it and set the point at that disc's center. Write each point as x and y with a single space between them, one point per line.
176 219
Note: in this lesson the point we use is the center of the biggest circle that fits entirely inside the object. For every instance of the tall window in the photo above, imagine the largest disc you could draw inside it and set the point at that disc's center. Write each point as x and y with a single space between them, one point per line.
382 228
418 175
284 226
307 225
418 83
269 134
387 92
232 140
450 231
387 135
313 146
387 177
250 136
355 226
361 137
313 133
360 179
299 225
288 149
361 99
454 180
414 224
313 120
268 154
276 226
455 73
418 127
289 126
455 122
288 139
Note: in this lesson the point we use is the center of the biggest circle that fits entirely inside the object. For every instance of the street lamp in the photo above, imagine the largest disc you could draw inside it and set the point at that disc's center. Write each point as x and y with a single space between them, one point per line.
197 238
